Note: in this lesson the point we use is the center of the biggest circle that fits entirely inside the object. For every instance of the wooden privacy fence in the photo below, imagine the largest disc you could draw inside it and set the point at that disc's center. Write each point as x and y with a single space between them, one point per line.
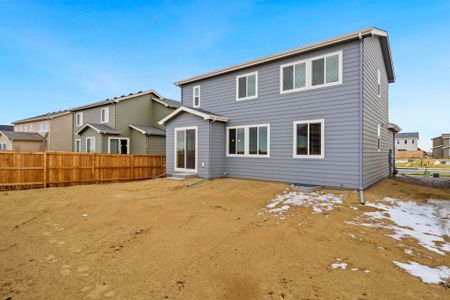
409 154
21 170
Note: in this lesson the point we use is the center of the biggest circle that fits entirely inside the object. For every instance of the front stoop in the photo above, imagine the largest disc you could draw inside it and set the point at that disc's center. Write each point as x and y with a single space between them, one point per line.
182 175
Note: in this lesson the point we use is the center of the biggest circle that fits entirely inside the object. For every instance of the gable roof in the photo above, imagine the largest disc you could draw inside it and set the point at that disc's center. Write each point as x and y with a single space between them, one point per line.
99 128
406 135
371 31
22 136
6 127
148 130
158 98
46 116
206 115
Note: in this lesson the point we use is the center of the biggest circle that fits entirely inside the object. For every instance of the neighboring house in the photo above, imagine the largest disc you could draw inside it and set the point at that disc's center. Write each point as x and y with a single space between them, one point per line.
20 141
55 129
441 146
122 125
407 141
314 115
6 128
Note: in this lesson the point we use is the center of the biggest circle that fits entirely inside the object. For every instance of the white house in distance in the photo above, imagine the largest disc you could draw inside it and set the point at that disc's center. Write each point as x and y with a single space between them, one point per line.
407 141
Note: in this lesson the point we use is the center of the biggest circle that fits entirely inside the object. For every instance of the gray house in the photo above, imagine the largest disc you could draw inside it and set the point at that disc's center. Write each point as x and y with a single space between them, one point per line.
407 141
314 115
122 125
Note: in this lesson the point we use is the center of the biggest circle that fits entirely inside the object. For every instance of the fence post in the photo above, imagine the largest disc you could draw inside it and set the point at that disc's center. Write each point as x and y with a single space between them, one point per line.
132 167
94 177
45 169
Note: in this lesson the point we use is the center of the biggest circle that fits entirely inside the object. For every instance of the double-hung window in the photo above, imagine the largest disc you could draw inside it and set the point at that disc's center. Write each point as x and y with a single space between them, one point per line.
77 145
79 119
248 141
247 86
196 96
90 144
309 139
315 72
104 115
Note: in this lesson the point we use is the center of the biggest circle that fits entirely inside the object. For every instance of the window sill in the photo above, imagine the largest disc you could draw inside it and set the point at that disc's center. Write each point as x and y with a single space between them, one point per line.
247 98
309 157
313 87
248 155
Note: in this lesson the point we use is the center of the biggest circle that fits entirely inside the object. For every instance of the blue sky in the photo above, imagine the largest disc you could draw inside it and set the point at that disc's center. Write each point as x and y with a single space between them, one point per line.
60 54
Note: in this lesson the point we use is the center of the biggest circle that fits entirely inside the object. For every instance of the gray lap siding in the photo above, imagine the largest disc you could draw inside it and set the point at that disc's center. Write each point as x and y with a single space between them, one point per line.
339 106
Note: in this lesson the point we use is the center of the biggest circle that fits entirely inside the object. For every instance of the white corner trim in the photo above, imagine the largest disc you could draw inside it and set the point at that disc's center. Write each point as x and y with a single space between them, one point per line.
294 140
87 125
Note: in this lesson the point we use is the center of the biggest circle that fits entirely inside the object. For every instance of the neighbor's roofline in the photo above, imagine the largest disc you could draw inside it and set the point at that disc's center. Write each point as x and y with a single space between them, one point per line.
119 99
371 31
39 118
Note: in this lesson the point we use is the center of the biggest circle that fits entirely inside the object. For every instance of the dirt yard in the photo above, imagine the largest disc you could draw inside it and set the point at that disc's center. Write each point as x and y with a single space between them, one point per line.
159 239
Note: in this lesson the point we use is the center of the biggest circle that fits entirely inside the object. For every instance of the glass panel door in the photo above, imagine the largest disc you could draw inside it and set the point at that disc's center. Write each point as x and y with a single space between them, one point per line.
185 149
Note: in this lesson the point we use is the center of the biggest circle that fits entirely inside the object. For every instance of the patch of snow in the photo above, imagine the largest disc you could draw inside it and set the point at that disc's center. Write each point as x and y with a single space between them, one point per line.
366 271
408 251
317 201
425 273
339 266
427 223
354 269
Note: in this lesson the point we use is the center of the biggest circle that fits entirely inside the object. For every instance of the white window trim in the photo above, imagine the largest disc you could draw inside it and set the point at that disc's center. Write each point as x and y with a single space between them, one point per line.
199 96
92 138
106 110
308 77
81 119
77 141
256 86
247 141
322 140
118 138
175 149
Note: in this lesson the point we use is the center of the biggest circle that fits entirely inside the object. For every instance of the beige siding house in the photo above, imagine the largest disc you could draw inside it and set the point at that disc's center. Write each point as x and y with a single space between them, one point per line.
20 141
441 146
54 128
122 125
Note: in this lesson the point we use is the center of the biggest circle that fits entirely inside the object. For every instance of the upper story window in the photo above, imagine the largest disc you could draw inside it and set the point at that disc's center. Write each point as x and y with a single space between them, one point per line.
379 83
248 141
247 86
309 139
79 119
43 126
412 141
315 72
104 115
406 141
196 96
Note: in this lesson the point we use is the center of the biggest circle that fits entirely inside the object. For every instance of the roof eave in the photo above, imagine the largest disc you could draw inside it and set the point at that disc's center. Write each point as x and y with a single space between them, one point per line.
194 112
371 31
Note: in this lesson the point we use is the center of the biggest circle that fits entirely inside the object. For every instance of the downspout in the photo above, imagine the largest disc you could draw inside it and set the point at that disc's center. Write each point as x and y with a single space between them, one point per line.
209 156
361 119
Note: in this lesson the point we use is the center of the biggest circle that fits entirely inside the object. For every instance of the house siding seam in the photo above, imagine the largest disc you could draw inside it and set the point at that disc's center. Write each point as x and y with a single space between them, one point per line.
338 105
375 111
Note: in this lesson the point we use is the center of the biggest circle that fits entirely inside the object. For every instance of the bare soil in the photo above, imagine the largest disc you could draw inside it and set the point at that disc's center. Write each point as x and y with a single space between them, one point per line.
159 239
